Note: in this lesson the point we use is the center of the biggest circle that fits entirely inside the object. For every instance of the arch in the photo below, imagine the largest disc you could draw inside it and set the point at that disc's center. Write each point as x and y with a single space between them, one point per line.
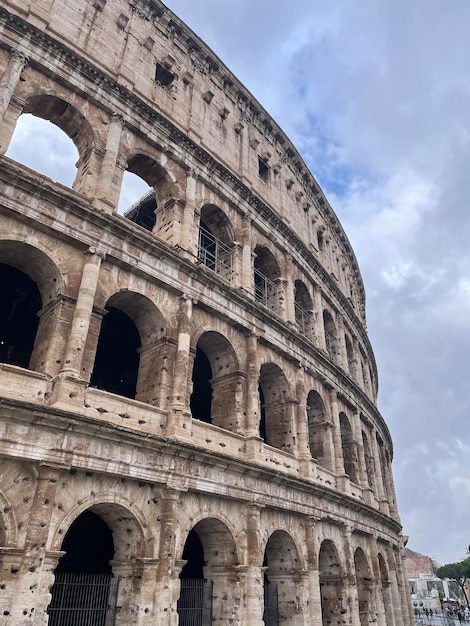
208 577
364 587
304 317
29 280
330 334
215 239
386 591
281 589
217 383
331 581
132 324
266 272
276 408
128 524
65 116
318 429
36 264
349 448
44 147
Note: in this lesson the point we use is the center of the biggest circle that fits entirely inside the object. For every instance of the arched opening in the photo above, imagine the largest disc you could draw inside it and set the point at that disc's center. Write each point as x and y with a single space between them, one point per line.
266 275
45 148
117 355
318 430
281 589
333 605
276 410
152 192
304 317
19 321
330 334
215 238
208 579
84 590
201 398
217 383
364 588
349 448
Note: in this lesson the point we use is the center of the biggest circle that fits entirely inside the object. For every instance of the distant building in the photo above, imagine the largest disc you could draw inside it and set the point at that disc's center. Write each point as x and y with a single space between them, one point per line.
424 584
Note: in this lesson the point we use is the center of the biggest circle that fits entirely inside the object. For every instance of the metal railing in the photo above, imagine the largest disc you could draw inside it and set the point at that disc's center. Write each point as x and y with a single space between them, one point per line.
271 605
83 600
195 602
214 254
266 291
305 321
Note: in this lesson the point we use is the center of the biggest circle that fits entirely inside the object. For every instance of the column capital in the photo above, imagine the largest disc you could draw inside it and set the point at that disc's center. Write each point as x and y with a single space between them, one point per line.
19 55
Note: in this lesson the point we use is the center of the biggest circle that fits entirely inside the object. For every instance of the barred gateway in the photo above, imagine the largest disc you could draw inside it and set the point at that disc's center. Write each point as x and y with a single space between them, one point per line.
189 430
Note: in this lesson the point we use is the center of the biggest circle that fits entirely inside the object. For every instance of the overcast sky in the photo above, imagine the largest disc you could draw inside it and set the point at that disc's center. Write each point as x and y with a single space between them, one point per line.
376 96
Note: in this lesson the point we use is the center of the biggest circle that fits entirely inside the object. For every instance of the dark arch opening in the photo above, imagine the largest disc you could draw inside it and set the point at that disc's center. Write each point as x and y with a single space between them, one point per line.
117 357
195 602
201 397
88 546
82 590
19 307
193 553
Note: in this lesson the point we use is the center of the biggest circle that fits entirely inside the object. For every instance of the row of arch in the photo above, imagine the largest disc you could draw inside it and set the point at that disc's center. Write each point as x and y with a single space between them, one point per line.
210 239
339 578
134 357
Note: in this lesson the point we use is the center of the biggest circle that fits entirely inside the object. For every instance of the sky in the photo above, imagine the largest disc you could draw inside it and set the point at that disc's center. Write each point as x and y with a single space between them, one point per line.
375 94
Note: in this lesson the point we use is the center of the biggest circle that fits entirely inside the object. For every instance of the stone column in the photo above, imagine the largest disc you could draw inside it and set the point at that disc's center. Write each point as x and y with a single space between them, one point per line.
303 447
338 446
179 417
403 589
81 320
187 243
378 467
165 594
378 584
252 384
254 573
10 78
399 615
289 290
69 386
351 585
361 461
341 345
107 195
247 260
35 575
237 264
313 606
320 329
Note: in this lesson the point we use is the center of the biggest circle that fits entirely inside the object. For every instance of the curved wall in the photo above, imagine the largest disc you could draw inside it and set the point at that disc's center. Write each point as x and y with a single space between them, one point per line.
200 378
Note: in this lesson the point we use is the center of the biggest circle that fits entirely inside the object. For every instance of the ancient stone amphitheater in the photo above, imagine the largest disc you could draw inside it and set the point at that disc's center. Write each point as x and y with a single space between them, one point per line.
189 430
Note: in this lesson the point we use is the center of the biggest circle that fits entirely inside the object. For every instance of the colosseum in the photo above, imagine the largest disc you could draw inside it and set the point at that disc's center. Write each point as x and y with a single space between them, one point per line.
189 427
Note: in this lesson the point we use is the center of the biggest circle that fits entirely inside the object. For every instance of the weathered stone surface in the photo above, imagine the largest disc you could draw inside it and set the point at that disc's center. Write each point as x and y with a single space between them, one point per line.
243 413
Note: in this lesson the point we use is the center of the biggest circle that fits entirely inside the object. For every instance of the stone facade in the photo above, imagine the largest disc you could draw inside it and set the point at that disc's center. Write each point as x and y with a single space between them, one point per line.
188 392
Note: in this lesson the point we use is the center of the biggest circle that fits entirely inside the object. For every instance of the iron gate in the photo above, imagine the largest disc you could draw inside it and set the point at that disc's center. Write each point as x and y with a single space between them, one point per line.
271 609
83 600
195 603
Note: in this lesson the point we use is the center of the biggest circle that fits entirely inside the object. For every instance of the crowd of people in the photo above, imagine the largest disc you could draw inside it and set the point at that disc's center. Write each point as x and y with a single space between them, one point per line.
460 613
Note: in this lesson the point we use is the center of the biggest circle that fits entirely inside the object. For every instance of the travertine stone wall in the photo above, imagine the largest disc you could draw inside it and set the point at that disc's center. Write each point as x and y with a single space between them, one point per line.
240 275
